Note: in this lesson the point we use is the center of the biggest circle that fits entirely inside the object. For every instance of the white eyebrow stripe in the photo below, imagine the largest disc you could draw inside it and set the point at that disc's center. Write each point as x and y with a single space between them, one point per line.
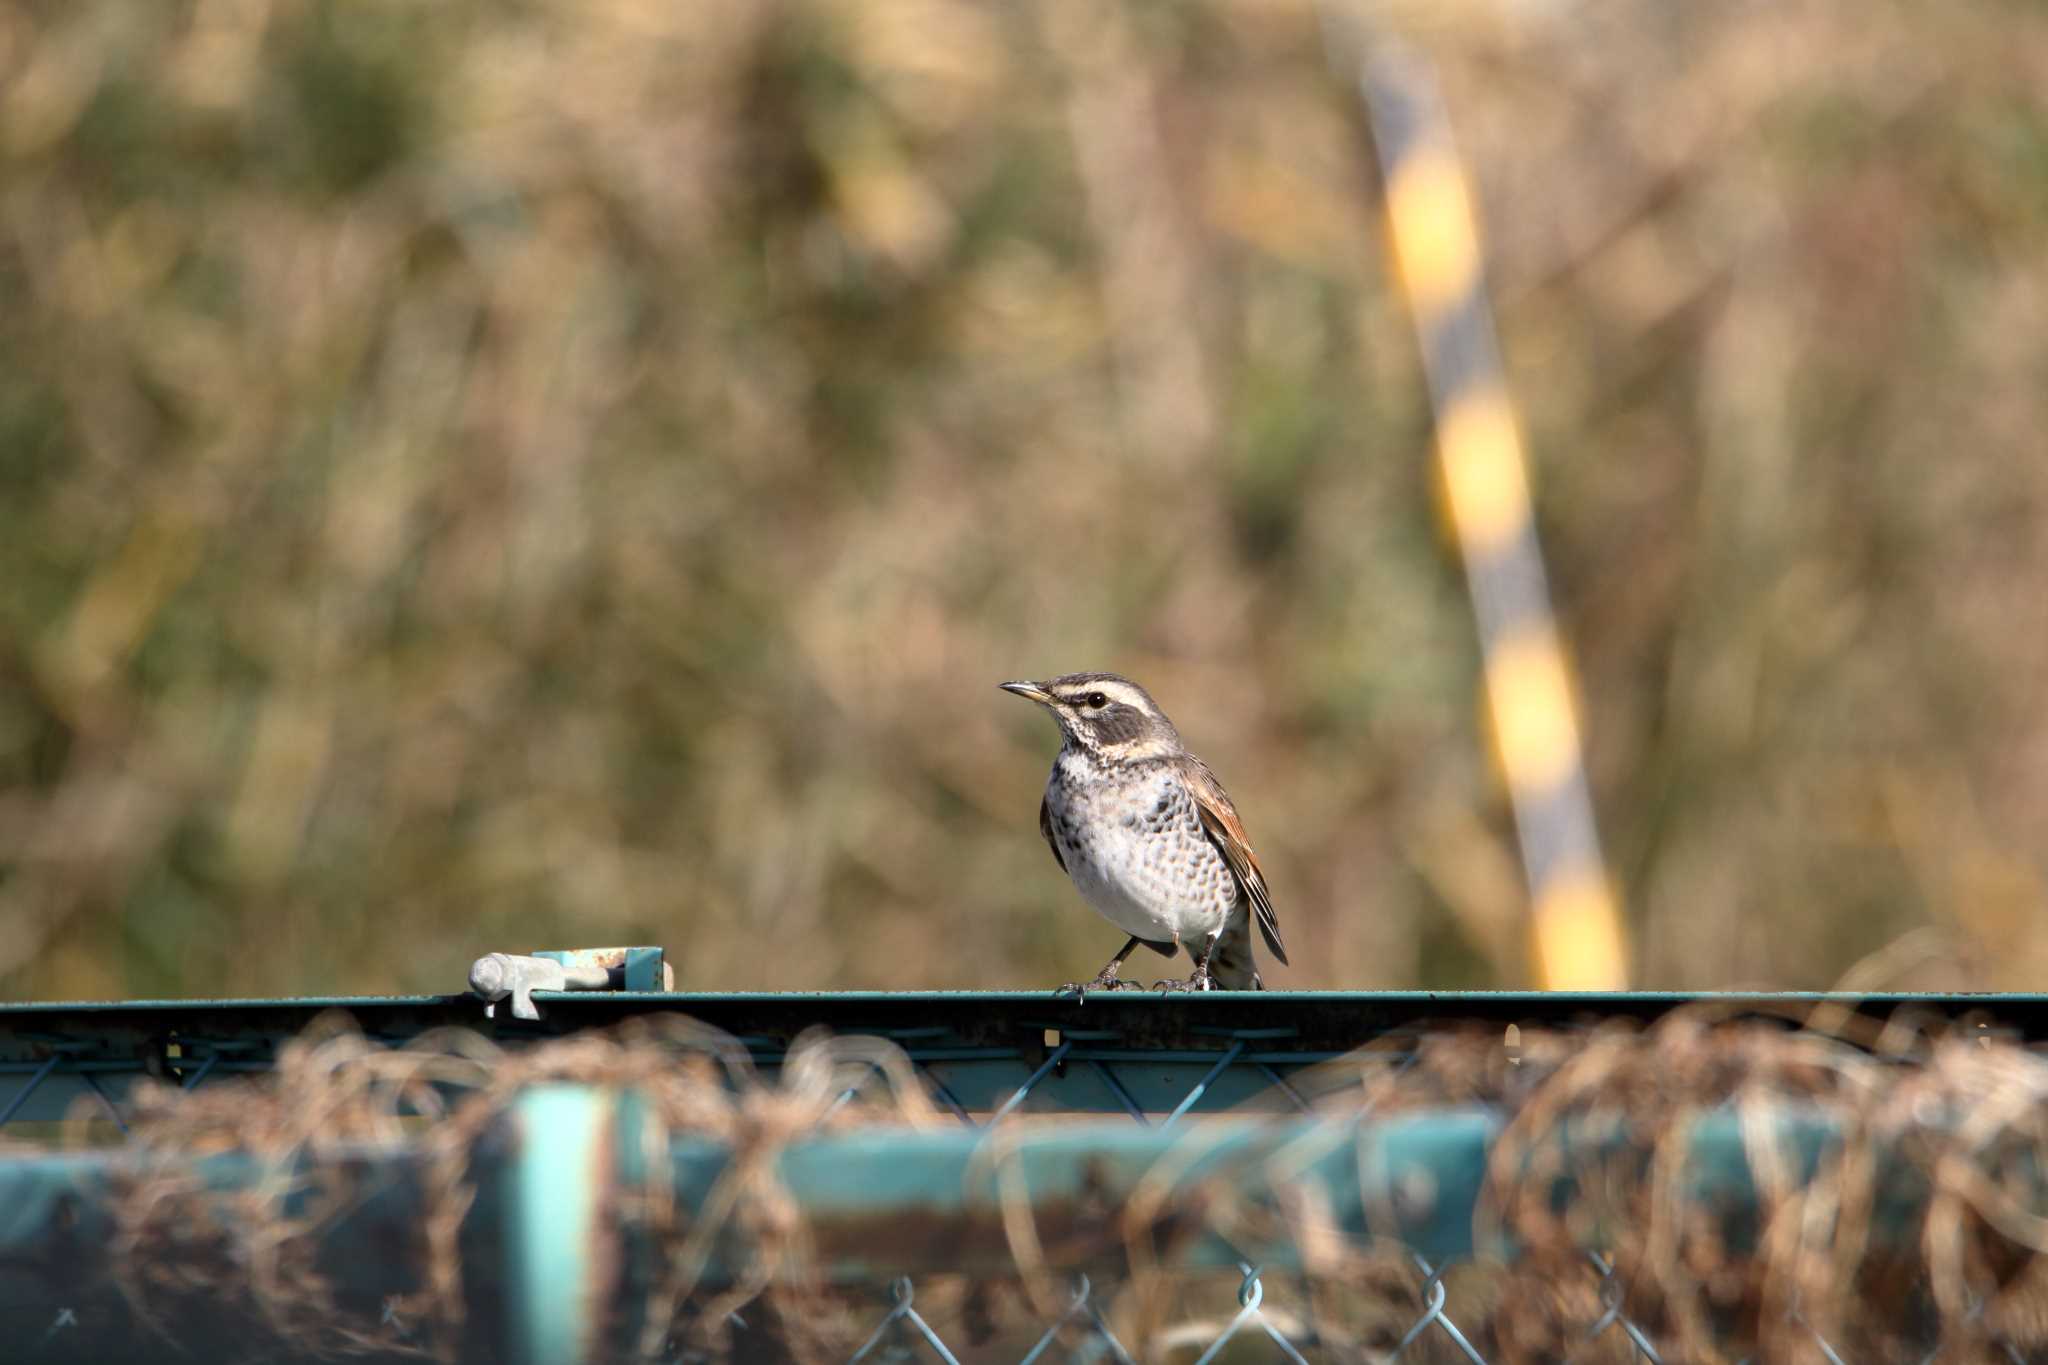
1115 691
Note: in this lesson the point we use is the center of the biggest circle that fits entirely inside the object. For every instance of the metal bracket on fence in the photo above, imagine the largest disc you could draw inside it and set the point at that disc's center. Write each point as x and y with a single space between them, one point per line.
495 976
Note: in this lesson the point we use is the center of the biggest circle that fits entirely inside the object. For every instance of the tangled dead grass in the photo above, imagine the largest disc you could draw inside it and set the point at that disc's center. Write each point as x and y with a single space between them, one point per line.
1896 1173
256 1248
1893 1179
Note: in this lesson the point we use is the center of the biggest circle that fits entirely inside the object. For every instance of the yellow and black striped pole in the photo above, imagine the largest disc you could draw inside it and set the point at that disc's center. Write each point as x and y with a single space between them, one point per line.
1486 490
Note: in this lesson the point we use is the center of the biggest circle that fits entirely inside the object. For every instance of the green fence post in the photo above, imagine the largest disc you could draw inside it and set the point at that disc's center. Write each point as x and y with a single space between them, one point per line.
556 1184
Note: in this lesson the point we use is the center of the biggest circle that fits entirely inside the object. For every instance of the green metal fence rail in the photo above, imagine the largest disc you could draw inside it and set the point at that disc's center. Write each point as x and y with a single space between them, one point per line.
543 1245
1029 1048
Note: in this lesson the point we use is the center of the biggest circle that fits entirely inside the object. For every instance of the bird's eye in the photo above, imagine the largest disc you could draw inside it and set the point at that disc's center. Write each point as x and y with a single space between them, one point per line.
1097 701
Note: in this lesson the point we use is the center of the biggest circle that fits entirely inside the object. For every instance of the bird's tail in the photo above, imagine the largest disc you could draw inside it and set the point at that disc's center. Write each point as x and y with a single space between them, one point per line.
1231 965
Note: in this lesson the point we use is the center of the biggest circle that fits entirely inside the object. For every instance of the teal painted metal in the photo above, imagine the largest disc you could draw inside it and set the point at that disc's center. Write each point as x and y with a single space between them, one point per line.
639 971
544 1254
1414 1179
880 1205
1946 1003
643 969
1134 1053
58 1234
560 1174
1440 1002
43 1194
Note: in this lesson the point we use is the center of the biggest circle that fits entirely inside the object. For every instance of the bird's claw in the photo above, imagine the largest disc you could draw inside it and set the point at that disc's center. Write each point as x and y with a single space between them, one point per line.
1079 989
1175 986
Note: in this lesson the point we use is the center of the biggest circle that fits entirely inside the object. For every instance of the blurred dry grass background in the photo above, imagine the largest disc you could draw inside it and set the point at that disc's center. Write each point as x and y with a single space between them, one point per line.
483 476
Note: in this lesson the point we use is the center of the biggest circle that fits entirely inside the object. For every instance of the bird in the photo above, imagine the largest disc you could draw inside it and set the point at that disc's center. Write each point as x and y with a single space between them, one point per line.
1148 835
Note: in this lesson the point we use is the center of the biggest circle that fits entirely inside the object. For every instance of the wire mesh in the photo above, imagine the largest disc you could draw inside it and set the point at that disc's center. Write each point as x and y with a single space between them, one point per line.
990 1067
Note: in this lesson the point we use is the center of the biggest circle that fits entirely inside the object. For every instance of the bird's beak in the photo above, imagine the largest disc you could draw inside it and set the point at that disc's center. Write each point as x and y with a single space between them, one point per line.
1030 691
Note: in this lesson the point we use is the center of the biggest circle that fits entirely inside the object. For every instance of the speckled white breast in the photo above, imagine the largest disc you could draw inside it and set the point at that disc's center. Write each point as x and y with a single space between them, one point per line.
1133 842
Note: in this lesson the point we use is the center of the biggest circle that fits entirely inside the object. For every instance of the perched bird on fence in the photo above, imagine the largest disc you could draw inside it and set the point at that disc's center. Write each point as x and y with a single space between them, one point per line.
1148 834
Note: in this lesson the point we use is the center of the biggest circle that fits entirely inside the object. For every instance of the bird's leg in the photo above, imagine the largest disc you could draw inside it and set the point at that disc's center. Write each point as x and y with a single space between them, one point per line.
1106 979
1201 980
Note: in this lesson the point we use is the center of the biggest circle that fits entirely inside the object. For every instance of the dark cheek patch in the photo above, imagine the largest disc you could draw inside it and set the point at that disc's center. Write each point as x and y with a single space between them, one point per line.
1118 724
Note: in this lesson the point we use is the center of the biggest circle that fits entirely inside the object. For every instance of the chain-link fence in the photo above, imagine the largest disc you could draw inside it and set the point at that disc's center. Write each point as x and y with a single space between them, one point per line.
974 1177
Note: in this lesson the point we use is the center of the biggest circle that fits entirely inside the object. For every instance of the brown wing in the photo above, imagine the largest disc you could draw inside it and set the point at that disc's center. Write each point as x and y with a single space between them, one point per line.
1226 831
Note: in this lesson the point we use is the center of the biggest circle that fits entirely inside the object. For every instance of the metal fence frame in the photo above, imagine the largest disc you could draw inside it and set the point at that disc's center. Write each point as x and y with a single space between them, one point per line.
1152 1060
